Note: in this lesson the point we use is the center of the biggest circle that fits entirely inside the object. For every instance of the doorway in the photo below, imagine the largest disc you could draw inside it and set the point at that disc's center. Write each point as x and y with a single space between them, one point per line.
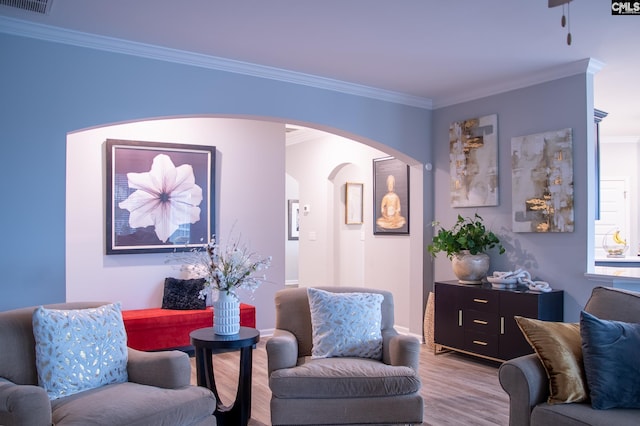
615 212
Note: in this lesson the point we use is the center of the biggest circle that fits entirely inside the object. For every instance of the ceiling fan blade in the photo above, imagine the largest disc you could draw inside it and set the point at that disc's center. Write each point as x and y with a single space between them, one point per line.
554 3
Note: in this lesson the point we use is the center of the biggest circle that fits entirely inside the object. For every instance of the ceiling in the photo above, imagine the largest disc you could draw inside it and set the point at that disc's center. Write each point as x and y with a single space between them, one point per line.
440 51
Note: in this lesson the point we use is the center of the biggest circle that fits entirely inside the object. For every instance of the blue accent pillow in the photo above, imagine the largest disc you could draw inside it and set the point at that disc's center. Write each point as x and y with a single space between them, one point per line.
610 353
79 349
345 324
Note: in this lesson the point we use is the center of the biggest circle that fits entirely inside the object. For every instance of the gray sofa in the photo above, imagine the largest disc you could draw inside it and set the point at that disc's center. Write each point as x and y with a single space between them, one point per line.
158 391
343 390
525 379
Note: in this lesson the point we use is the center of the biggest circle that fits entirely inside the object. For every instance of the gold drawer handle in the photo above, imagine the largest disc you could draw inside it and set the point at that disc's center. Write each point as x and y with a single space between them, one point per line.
478 342
481 322
460 318
481 300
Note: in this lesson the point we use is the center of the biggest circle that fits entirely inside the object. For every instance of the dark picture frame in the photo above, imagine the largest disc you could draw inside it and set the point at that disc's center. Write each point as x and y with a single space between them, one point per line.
160 197
294 220
391 195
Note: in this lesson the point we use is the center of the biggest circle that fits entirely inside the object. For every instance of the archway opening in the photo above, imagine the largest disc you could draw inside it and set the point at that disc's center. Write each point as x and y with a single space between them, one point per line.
253 159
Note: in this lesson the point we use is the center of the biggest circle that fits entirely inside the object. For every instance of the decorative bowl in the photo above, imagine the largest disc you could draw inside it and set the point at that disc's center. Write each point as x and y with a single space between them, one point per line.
614 244
499 282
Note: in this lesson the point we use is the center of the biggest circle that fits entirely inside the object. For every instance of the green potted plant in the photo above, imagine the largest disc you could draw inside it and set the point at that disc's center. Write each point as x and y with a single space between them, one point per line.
465 245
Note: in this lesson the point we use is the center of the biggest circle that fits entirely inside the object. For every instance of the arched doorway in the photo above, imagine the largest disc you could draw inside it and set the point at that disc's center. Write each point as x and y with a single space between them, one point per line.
252 161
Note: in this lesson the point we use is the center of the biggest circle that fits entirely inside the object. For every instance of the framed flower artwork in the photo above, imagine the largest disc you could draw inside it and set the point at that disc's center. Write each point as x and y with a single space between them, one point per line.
160 196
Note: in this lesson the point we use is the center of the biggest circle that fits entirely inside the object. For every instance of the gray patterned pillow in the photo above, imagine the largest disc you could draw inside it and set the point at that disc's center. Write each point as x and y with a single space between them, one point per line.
345 324
79 349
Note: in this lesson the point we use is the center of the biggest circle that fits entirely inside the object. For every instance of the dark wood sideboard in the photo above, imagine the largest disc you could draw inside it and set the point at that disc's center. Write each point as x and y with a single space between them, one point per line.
478 319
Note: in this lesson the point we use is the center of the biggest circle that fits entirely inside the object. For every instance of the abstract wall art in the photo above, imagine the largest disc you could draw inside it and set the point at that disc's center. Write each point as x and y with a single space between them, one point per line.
473 162
542 182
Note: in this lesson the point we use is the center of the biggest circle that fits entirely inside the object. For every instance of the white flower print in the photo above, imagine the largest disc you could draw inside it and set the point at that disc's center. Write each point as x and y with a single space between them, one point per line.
165 197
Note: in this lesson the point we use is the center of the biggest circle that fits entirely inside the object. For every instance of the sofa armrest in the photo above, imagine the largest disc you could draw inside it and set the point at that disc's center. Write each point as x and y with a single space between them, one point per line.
526 382
23 405
164 369
282 351
401 349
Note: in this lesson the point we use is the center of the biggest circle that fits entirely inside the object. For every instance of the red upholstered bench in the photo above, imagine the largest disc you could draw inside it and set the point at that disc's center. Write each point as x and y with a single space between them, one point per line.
155 328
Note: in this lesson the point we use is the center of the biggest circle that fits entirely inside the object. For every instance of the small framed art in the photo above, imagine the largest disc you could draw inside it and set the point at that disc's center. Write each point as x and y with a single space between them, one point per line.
294 220
390 196
353 202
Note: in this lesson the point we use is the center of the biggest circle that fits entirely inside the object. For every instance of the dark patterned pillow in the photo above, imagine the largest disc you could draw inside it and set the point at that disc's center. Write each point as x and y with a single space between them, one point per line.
183 294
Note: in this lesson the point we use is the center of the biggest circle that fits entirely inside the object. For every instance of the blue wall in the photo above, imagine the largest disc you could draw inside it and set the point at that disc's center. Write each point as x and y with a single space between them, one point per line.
558 258
49 89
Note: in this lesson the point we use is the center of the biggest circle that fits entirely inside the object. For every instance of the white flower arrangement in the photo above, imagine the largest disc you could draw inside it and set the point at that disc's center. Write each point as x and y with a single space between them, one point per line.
226 268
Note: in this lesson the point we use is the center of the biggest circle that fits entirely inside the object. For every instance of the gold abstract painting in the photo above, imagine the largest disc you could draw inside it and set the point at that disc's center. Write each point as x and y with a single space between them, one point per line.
542 182
473 162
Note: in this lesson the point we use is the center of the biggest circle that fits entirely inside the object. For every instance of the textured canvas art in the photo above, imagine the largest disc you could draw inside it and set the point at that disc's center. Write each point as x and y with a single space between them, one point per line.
473 162
542 186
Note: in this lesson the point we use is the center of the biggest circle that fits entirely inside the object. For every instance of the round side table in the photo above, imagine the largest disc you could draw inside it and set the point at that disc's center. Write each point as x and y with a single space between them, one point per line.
207 343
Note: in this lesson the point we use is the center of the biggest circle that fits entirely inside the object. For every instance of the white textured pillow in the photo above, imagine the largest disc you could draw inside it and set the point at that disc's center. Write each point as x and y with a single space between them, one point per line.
346 324
79 349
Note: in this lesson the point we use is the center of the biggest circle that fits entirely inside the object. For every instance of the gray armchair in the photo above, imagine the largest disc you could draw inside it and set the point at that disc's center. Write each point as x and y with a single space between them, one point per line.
526 381
158 391
344 390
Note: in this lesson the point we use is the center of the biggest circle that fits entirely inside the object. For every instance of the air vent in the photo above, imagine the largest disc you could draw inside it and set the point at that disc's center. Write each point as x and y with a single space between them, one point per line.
37 6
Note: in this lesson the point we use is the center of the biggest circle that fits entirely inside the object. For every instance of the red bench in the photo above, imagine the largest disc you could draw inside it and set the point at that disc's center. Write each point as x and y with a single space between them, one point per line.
155 328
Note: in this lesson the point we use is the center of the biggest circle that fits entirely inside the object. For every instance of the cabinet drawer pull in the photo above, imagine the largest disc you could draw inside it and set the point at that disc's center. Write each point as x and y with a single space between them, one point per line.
501 325
460 318
481 300
481 322
480 342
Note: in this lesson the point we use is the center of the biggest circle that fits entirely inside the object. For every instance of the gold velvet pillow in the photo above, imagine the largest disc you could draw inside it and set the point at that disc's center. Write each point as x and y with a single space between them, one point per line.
559 347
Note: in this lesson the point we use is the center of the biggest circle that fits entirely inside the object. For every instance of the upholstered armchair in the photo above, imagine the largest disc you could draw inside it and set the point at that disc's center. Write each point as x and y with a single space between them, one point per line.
157 391
529 386
335 388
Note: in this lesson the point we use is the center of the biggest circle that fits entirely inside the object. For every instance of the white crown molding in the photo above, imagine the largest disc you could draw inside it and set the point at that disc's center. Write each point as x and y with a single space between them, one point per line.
594 65
588 65
77 38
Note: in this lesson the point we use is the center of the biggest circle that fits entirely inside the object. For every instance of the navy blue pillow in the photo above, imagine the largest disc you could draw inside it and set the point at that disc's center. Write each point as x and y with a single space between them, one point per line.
610 352
183 294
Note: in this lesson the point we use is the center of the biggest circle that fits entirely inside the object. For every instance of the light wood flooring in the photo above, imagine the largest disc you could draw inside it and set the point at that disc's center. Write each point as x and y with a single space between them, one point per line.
457 389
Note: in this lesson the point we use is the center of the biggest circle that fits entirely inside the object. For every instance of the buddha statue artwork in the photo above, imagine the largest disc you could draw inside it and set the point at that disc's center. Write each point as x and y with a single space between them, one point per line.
390 211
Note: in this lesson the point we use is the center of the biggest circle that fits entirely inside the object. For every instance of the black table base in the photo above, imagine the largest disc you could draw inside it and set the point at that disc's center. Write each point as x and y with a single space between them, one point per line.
206 344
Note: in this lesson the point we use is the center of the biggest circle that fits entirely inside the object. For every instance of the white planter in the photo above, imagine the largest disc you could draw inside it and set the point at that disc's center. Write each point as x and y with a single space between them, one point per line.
226 314
470 268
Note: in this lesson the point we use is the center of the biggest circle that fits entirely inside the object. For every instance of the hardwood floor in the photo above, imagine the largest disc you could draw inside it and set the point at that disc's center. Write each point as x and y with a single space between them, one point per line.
457 390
